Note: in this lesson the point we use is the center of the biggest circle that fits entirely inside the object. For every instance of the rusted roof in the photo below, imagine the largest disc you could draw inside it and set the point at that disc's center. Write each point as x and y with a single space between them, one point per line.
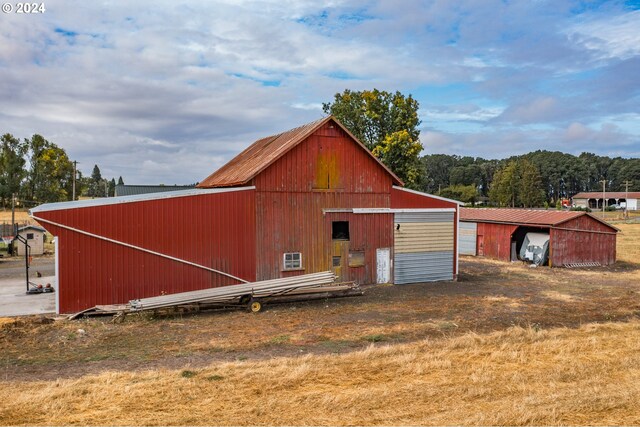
608 195
548 218
262 153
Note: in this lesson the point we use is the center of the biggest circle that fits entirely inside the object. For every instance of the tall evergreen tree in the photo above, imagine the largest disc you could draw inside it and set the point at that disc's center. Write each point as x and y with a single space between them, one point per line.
96 186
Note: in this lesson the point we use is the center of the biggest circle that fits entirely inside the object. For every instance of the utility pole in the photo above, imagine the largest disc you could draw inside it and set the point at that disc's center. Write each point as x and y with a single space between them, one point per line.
74 178
604 182
106 188
626 199
13 214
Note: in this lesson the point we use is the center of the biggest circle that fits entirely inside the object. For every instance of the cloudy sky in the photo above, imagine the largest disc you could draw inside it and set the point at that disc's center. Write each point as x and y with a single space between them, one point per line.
167 92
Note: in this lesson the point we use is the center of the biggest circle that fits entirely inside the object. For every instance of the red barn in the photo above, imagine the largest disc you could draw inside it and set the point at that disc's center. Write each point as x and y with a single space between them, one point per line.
574 237
307 200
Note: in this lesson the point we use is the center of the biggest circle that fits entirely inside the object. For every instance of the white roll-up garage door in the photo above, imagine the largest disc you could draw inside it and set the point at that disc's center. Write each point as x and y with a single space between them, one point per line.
423 247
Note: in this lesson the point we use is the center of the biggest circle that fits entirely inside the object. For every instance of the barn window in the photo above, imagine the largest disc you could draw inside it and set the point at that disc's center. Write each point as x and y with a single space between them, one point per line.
340 230
29 236
336 261
292 261
356 258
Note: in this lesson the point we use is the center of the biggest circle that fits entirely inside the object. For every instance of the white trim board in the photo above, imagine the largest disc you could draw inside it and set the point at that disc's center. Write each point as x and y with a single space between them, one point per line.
387 210
135 198
420 193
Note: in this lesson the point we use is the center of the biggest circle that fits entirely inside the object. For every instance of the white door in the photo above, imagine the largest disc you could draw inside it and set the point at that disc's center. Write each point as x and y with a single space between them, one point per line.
383 265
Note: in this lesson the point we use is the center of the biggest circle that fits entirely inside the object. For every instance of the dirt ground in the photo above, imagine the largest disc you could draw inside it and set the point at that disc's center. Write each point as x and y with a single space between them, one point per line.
489 296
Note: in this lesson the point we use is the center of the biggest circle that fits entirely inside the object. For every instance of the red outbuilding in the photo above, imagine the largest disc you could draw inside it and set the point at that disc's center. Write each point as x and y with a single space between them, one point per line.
572 237
307 200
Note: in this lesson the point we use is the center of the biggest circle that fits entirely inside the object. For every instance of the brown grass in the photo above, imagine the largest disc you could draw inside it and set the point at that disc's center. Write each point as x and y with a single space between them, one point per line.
628 243
589 375
20 216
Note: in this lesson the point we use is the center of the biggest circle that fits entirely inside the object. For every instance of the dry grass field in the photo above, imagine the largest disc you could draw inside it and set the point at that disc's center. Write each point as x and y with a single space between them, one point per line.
518 376
506 344
21 216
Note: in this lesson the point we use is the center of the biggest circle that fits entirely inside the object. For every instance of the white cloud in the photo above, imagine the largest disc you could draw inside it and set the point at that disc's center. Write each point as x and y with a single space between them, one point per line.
612 37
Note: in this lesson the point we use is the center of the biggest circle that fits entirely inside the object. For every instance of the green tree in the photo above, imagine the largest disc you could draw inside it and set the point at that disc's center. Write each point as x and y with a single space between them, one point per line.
120 181
372 115
50 174
112 187
505 186
463 193
12 166
531 193
400 152
96 183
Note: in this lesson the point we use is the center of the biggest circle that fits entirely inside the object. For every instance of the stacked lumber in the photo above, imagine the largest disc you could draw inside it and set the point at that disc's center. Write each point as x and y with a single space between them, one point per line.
233 293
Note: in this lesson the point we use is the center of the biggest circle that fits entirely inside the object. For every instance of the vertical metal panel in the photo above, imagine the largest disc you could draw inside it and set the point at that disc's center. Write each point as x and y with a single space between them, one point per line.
406 200
327 170
424 247
496 240
572 246
214 230
468 232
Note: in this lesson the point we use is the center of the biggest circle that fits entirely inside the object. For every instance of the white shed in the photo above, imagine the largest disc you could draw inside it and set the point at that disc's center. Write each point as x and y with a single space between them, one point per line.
35 237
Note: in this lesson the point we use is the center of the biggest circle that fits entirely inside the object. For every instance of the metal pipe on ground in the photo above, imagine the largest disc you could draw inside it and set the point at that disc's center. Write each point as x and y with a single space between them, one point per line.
228 293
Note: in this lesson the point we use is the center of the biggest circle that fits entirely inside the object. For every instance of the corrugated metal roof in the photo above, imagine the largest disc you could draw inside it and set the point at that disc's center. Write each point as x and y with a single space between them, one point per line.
132 190
523 216
262 153
106 201
608 195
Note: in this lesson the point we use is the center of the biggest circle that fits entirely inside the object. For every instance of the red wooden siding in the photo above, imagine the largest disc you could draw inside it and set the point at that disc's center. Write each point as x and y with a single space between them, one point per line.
569 246
328 160
402 199
328 170
496 240
215 230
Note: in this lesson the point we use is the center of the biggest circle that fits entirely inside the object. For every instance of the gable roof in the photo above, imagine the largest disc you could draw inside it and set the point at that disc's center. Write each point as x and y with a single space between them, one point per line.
32 227
608 194
264 152
524 216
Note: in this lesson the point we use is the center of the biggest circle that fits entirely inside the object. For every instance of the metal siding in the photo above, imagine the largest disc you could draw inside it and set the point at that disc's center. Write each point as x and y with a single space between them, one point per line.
422 267
424 248
496 239
572 246
294 222
214 230
406 200
419 217
468 235
290 203
424 237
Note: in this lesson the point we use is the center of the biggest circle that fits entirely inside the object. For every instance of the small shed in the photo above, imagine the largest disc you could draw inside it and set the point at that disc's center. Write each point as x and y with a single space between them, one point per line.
35 237
574 237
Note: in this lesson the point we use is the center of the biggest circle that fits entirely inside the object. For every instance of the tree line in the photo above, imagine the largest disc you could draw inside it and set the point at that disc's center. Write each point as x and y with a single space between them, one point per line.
35 170
534 179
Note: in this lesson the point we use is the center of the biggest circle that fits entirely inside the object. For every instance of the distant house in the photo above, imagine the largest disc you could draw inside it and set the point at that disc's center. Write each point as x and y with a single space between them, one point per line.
619 199
35 238
134 190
